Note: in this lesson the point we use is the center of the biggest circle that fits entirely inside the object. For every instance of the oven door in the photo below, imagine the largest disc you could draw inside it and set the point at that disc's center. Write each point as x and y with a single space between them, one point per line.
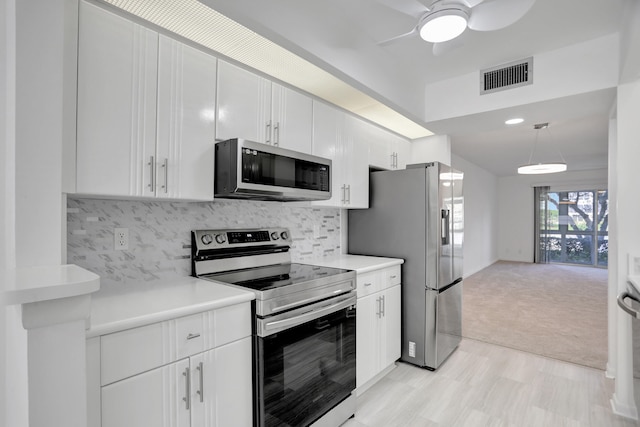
305 369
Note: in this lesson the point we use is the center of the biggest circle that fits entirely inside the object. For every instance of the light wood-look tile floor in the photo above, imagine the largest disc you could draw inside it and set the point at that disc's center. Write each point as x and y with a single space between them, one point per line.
487 385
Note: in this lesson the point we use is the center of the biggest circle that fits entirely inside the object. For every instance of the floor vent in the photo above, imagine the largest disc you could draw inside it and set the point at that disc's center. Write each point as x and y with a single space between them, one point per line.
506 76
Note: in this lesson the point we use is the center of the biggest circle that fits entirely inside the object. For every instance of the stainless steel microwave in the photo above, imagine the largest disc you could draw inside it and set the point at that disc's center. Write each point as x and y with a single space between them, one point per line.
250 170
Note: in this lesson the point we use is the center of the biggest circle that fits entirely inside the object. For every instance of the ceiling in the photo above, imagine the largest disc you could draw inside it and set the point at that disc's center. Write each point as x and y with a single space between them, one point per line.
342 37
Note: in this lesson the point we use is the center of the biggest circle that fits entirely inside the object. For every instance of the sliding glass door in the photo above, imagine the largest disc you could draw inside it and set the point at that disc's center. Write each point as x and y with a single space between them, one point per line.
573 227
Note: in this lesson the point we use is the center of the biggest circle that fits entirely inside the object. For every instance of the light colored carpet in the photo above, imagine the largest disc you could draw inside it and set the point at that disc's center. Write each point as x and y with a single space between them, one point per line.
556 311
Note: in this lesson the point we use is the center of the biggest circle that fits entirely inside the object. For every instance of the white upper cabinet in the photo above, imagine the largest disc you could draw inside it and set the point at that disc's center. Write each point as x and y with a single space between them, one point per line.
117 83
186 122
252 107
386 149
336 137
146 112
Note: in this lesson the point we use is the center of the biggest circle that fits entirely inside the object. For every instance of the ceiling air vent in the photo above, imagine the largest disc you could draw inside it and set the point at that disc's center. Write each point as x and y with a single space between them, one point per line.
506 76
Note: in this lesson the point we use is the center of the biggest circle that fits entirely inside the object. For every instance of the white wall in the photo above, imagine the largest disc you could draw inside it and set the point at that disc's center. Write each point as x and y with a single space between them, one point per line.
7 144
480 216
628 238
515 216
580 68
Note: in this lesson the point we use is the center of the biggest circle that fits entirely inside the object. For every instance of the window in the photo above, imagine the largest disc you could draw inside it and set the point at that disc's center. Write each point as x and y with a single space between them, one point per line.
574 227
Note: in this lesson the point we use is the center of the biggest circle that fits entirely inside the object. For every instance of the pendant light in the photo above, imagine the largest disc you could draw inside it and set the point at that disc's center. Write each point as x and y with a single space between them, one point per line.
541 168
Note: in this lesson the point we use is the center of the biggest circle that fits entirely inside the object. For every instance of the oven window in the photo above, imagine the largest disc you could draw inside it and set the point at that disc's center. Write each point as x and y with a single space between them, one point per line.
263 168
307 370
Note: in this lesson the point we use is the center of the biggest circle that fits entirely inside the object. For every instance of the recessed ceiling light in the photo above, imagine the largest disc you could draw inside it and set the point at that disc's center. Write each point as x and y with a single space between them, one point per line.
514 121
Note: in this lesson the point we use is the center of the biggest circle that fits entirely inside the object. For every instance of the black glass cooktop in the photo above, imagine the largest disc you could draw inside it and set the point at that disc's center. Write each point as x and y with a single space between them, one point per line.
275 276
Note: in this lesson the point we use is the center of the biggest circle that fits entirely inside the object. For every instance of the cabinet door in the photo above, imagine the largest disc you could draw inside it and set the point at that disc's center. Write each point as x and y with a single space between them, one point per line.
367 338
402 150
292 115
117 77
243 105
356 164
222 386
390 334
186 121
153 398
380 154
327 125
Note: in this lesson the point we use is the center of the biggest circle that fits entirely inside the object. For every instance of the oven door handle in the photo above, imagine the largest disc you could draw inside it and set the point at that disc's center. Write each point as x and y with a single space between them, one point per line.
279 325
308 300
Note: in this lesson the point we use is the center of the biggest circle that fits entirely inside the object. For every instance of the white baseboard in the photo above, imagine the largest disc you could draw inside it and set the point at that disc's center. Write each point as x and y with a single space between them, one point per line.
624 410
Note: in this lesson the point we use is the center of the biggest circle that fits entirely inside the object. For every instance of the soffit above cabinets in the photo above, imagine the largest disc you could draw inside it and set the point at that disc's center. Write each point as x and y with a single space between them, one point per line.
199 23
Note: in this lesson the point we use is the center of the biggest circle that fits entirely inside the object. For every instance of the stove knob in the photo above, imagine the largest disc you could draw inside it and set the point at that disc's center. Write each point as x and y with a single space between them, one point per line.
206 239
274 236
220 238
284 235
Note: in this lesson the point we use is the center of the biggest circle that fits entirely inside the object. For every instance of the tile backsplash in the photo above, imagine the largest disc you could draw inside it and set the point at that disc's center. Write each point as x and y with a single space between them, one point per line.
160 233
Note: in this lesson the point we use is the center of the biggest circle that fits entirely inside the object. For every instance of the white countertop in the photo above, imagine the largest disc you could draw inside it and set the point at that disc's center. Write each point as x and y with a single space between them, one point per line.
359 263
136 304
44 283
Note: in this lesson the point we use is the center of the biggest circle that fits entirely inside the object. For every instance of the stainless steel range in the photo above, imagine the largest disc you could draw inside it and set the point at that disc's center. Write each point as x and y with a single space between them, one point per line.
304 333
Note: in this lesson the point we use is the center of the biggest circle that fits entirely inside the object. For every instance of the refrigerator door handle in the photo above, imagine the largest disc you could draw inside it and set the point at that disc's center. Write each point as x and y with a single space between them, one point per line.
444 222
625 307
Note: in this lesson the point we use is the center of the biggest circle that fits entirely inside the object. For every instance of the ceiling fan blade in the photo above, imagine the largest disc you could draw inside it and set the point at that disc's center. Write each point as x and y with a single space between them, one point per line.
396 38
471 3
413 8
443 48
497 14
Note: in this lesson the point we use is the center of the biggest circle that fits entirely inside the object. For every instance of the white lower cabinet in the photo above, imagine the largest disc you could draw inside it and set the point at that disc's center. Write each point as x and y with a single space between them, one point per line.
193 371
377 324
152 398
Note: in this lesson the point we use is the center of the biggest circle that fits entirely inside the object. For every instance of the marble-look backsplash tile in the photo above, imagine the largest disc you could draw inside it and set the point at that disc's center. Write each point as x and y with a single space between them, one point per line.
160 233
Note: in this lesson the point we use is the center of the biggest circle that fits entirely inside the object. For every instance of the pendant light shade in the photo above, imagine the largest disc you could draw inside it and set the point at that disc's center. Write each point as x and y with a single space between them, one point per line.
542 168
444 24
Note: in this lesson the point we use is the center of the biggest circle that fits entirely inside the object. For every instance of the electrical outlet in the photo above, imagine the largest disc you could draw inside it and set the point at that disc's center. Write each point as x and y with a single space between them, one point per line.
634 265
121 239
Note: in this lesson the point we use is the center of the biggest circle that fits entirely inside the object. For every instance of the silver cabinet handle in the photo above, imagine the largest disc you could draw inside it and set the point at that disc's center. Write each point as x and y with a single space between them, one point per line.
393 277
625 307
392 158
368 284
378 308
192 336
276 134
187 388
384 304
267 137
344 194
165 165
349 194
200 369
152 172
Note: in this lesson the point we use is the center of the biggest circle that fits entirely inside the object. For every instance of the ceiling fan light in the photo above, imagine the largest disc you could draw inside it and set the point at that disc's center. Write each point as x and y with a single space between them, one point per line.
443 25
541 168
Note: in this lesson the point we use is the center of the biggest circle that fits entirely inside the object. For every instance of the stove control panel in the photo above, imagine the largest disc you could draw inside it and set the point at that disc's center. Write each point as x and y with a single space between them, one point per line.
204 240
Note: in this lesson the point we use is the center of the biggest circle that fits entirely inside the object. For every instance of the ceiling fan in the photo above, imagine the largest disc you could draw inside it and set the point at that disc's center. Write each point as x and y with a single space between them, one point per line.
443 20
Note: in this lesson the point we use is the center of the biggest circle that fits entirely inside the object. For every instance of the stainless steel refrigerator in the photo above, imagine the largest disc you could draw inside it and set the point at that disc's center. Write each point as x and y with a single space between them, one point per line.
418 214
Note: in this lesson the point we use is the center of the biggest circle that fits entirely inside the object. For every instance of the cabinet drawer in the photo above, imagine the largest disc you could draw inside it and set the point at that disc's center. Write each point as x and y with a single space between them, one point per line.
189 335
368 283
391 276
230 324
